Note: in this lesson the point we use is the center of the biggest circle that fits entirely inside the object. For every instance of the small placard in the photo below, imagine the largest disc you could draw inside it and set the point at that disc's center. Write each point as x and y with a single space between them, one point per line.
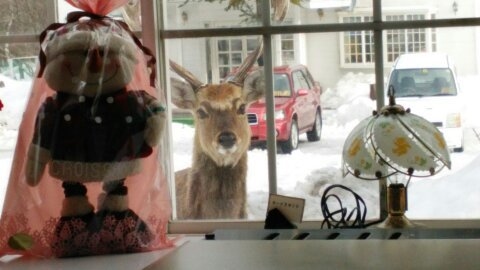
291 207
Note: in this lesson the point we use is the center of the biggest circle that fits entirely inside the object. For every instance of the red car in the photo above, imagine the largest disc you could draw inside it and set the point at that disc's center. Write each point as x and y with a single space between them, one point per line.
297 109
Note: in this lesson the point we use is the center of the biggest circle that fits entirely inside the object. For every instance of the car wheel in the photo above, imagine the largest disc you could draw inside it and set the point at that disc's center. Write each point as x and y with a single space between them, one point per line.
316 132
292 142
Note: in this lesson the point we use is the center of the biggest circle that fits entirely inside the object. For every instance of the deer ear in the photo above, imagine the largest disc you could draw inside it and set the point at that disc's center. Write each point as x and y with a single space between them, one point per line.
183 95
254 86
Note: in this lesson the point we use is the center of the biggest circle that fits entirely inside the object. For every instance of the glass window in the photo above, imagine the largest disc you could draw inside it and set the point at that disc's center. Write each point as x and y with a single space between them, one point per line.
423 82
281 85
407 40
299 81
211 41
288 49
343 90
231 52
358 45
21 22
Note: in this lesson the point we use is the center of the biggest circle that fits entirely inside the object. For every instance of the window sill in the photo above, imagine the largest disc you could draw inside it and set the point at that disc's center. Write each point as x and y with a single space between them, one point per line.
204 227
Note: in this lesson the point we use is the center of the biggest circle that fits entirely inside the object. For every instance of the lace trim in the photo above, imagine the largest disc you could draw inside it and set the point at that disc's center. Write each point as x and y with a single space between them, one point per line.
75 237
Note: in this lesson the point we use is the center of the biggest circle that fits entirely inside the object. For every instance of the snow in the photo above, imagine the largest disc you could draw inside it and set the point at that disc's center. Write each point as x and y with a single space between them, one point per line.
309 170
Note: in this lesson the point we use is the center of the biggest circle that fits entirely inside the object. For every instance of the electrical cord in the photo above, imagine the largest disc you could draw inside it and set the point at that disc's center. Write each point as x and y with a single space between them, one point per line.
341 218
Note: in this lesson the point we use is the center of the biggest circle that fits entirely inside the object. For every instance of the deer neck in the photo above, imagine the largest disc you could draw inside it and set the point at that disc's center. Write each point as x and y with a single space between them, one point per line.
202 162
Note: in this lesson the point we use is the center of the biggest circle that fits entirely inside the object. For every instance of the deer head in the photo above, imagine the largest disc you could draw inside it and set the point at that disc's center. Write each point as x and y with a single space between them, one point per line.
221 125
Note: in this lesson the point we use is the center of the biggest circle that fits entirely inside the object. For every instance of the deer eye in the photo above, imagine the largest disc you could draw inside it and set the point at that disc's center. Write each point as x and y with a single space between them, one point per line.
241 109
202 114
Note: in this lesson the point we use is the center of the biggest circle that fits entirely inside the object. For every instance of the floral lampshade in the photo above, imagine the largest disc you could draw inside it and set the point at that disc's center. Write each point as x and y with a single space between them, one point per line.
392 142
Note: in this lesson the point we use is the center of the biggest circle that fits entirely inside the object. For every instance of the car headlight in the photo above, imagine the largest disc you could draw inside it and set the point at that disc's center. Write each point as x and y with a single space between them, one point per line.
279 115
453 120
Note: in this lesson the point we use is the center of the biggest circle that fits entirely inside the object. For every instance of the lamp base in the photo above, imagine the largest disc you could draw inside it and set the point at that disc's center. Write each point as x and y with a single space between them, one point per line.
397 222
397 206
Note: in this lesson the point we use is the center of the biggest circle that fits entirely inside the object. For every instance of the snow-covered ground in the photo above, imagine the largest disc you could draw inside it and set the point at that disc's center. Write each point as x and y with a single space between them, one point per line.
314 166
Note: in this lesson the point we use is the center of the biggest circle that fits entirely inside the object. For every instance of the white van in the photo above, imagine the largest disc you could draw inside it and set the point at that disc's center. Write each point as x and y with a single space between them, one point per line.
427 84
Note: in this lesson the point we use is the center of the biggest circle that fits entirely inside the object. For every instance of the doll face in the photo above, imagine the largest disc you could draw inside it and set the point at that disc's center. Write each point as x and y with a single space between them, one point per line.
90 63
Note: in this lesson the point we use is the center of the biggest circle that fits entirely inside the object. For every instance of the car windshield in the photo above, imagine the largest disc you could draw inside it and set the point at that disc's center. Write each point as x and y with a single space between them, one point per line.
423 82
281 85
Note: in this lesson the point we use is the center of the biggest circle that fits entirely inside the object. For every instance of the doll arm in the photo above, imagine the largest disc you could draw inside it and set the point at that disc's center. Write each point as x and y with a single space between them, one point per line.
38 154
37 159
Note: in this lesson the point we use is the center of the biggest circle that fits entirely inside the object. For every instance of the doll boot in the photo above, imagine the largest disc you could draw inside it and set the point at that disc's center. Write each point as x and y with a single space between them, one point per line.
120 229
72 231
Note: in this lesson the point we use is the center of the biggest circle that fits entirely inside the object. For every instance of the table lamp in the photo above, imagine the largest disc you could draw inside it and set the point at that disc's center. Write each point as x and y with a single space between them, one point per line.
395 145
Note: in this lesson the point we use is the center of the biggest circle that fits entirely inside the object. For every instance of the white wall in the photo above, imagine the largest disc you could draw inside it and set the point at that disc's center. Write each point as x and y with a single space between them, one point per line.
461 43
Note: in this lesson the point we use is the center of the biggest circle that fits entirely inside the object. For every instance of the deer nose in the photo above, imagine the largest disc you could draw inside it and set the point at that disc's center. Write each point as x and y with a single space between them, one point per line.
227 139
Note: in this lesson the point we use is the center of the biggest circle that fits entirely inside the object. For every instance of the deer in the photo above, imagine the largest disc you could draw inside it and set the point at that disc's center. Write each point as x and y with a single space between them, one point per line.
214 187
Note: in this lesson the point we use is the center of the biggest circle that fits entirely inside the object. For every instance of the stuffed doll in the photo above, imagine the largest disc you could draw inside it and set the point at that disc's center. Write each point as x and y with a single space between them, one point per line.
93 131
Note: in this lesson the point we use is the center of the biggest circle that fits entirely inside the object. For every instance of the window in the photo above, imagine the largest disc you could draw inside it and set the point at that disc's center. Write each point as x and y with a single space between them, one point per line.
356 48
407 40
288 48
231 53
281 85
300 81
186 34
358 45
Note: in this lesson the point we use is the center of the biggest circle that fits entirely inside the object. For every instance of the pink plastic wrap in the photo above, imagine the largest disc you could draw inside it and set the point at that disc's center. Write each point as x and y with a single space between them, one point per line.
88 173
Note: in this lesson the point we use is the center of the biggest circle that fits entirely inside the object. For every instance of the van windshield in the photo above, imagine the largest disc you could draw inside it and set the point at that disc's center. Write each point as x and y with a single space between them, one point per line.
423 82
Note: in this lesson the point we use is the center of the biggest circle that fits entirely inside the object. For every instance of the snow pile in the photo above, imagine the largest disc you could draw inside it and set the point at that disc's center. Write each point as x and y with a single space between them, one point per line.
315 166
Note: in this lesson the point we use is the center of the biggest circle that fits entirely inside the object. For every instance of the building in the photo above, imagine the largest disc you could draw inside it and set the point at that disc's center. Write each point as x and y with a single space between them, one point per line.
329 55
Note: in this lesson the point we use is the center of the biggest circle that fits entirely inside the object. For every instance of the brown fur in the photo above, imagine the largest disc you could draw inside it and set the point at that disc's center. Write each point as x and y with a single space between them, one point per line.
215 186
208 191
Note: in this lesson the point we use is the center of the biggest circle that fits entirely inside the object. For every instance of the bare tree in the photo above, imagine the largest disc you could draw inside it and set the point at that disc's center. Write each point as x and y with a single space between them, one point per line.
20 17
250 10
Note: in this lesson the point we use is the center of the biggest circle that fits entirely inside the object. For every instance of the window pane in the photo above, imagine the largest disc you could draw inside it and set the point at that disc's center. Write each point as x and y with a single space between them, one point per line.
223 59
312 166
216 123
236 59
24 16
319 53
345 102
236 44
223 45
211 14
449 183
251 44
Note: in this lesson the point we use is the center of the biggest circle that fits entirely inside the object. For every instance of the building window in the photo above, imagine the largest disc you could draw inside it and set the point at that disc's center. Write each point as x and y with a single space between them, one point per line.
406 40
288 48
232 51
358 45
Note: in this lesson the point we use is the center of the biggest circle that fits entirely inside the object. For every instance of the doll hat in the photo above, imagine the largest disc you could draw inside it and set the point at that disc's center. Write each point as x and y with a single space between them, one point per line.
87 34
94 25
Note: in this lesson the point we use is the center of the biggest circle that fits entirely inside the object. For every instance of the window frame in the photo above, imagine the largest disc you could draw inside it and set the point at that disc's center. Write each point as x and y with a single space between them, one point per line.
155 35
377 25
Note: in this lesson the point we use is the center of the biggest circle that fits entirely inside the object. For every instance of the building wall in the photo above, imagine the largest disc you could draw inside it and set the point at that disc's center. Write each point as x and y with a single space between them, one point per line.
321 52
325 48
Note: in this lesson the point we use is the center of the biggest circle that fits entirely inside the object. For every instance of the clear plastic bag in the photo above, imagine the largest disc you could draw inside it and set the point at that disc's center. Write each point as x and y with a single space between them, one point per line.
88 175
